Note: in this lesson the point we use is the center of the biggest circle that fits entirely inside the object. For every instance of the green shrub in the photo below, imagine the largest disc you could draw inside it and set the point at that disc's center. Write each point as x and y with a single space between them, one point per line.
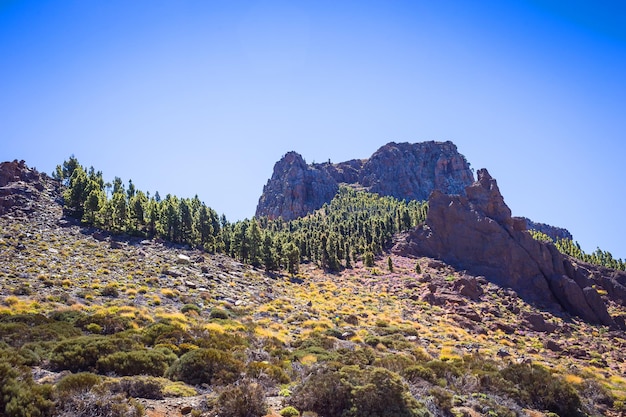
19 395
396 362
443 398
136 362
75 383
109 323
82 353
324 392
245 399
416 372
218 313
19 333
110 290
164 332
190 307
352 392
275 373
205 366
137 387
289 412
539 388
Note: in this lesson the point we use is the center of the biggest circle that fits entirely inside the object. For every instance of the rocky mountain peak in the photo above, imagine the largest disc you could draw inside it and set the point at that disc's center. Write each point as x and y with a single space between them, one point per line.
477 233
295 189
402 170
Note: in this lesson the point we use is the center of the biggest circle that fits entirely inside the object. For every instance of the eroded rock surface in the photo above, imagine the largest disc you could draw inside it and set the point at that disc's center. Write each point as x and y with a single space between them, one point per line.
402 170
476 232
22 188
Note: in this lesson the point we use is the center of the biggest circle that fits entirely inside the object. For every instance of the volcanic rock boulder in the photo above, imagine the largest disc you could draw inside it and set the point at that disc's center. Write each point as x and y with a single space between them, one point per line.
476 232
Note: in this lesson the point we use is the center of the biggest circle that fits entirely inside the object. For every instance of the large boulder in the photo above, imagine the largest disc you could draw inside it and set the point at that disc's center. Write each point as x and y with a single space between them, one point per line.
476 232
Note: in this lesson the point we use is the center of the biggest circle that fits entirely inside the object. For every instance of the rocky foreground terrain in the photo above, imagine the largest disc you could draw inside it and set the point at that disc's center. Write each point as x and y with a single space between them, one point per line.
458 338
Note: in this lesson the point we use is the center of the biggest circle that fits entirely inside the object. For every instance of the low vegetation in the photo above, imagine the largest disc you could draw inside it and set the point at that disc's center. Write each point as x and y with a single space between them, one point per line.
82 333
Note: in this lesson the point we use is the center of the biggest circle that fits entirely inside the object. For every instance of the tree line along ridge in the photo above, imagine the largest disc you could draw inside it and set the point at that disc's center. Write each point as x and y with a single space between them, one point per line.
355 225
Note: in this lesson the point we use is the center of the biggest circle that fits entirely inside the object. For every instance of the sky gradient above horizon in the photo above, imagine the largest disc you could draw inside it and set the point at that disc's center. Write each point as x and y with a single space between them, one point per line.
203 97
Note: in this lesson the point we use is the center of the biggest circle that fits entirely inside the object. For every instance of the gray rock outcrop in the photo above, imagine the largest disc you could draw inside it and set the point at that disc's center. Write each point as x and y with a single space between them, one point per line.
402 170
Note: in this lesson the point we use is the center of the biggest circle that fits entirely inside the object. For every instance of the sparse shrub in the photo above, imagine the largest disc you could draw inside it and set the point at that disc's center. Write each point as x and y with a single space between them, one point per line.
218 313
415 372
539 388
275 373
82 353
137 387
100 404
443 398
110 290
19 395
110 323
136 362
368 259
289 411
74 383
94 328
352 392
190 307
205 366
244 399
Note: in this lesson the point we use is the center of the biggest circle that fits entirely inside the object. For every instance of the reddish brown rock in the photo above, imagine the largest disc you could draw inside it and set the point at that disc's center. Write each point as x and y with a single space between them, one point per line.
477 233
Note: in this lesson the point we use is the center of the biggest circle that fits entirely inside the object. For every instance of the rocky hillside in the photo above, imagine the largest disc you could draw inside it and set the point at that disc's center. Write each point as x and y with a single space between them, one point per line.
94 323
476 232
401 170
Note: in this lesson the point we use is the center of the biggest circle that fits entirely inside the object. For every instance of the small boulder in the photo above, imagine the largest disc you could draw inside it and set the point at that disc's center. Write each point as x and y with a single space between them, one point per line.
183 259
468 287
536 322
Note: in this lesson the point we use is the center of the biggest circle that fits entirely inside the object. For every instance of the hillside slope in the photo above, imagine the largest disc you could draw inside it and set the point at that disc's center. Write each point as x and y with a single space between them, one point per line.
414 335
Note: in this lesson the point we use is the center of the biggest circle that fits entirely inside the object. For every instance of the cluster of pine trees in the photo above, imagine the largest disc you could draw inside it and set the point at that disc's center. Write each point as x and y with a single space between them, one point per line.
573 249
354 225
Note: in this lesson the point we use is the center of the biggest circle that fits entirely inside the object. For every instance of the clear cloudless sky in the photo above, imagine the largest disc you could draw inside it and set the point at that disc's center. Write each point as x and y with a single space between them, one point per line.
203 97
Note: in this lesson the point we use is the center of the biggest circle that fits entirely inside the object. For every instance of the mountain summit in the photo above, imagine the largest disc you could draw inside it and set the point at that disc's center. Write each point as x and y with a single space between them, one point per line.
402 170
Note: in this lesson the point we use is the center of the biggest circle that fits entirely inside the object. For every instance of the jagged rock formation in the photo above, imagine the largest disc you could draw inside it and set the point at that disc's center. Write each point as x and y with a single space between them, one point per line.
402 170
22 189
476 232
295 189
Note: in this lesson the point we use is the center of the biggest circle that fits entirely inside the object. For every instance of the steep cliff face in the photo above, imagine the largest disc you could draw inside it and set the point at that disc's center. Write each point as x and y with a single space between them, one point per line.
413 171
476 232
295 189
402 170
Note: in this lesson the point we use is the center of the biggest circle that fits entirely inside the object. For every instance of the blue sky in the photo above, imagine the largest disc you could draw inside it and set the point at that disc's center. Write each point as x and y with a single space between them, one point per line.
203 97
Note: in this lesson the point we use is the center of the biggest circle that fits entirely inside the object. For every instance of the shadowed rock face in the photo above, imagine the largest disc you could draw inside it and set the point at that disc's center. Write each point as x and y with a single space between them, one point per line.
295 189
476 232
402 170
20 188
